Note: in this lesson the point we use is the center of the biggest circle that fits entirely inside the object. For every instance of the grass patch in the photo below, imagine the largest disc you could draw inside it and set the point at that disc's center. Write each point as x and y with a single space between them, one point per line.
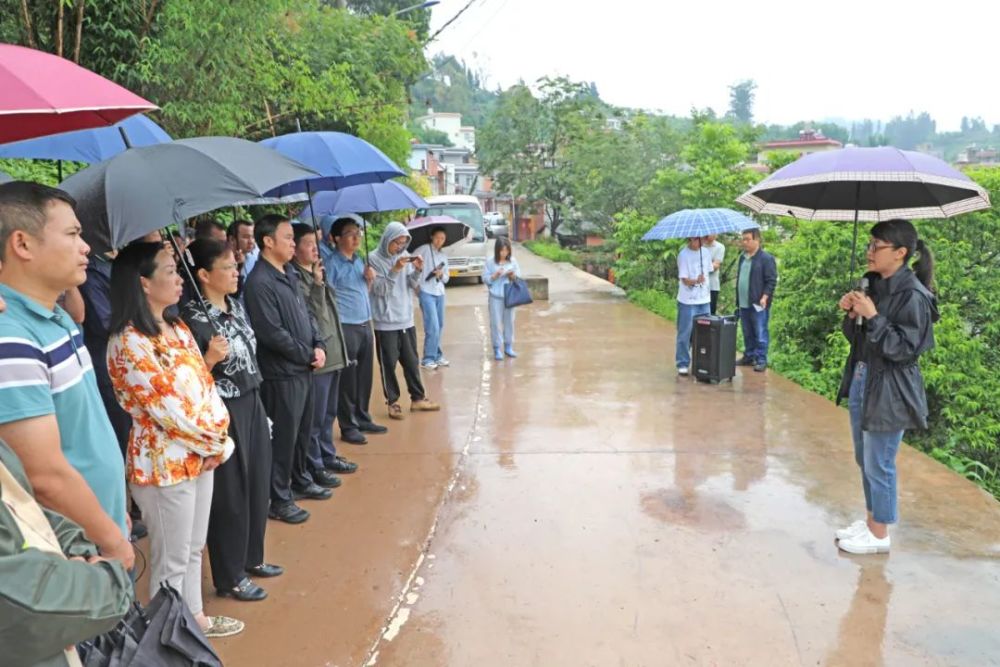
655 302
551 251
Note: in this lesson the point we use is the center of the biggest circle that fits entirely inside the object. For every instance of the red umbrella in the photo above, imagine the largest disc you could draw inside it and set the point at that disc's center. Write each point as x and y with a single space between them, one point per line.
42 94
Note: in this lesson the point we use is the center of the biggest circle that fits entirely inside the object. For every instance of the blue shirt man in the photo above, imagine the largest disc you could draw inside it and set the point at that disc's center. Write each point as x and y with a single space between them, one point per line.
51 413
351 278
47 370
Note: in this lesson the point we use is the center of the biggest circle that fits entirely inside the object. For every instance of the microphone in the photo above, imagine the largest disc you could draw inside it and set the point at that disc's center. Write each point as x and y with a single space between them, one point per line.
863 287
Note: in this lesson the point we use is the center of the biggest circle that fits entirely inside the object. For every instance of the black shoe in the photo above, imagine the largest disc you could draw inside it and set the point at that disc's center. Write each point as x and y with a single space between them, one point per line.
354 438
745 361
326 479
312 492
342 466
266 570
371 427
760 368
290 513
139 530
245 591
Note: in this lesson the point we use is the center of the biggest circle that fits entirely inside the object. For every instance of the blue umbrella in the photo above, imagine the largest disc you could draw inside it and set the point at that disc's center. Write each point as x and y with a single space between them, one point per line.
690 223
369 198
90 146
340 159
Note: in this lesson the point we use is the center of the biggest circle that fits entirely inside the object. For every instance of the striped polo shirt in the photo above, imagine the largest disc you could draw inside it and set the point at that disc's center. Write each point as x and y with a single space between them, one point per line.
45 369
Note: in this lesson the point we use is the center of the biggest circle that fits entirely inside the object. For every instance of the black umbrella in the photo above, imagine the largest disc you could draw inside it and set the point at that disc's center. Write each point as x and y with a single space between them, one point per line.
420 230
173 636
163 634
145 189
866 184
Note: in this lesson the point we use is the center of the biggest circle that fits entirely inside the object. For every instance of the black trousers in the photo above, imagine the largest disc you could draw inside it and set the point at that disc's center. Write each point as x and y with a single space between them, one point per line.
356 380
242 487
714 301
289 404
400 346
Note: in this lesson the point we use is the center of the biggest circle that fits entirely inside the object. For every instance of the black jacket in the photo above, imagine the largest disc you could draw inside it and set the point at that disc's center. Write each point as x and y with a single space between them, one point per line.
891 344
285 329
763 277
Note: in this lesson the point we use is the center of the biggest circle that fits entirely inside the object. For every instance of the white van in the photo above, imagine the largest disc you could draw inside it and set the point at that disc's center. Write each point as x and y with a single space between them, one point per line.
466 259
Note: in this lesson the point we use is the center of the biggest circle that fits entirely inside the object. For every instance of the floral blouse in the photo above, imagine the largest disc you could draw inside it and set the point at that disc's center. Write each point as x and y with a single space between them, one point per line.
178 418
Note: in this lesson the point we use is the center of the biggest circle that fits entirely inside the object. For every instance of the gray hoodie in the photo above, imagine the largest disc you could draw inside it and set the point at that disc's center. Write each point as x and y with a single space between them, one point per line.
392 296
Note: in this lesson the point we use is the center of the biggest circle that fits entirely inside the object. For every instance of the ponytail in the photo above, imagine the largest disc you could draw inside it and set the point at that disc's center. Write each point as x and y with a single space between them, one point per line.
923 267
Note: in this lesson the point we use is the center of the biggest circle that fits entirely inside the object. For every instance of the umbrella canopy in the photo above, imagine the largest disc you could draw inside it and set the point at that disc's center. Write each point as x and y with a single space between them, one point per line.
44 94
689 223
870 184
420 230
144 189
93 145
340 159
368 198
4 178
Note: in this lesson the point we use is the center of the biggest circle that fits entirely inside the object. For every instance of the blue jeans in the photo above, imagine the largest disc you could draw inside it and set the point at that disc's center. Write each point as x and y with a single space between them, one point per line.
756 336
501 323
432 307
326 392
875 453
685 323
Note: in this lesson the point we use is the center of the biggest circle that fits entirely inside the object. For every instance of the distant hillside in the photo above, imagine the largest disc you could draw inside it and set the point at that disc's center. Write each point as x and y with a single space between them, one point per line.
453 86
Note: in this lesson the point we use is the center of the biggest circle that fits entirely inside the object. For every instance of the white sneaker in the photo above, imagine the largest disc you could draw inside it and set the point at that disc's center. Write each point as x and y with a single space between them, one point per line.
682 370
430 366
443 362
853 530
865 543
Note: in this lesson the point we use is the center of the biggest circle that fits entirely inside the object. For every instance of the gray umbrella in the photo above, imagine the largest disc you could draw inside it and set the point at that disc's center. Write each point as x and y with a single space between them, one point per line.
4 178
145 189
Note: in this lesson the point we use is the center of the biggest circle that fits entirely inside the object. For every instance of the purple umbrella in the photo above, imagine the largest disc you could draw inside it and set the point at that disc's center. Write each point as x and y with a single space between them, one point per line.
420 230
871 184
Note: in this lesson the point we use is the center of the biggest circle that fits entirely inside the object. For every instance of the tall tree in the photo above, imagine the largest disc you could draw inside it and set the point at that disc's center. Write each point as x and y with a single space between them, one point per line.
741 98
527 143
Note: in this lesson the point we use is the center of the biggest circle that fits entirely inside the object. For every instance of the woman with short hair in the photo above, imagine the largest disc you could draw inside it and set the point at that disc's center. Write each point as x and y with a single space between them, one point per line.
240 500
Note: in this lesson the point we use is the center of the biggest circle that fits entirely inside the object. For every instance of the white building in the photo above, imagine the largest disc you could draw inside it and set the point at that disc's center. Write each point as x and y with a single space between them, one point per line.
462 136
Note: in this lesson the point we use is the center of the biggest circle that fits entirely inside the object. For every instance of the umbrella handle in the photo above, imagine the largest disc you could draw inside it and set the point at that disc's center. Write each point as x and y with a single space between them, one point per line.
194 283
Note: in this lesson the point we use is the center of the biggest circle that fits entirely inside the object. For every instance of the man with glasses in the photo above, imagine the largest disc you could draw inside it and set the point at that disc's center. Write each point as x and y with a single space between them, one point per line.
756 280
351 278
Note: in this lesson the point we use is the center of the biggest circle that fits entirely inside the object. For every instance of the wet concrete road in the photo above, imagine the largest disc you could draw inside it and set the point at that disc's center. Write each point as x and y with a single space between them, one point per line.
582 505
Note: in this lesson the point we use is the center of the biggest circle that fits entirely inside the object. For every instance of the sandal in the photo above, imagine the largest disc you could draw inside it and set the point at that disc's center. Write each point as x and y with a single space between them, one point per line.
395 412
223 626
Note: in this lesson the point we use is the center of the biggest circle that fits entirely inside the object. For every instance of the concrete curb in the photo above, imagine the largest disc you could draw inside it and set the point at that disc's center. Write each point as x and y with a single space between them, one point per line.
599 284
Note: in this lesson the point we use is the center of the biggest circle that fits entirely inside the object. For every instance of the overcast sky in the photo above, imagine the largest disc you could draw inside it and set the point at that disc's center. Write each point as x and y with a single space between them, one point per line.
850 59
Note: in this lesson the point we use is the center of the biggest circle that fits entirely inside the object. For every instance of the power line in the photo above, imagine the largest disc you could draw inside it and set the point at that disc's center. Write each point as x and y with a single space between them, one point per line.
450 21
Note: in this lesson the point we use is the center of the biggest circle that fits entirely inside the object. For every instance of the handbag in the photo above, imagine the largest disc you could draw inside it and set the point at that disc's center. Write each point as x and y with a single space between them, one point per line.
516 293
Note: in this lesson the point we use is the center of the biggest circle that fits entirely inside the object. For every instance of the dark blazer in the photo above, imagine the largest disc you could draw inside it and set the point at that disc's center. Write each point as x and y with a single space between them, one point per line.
763 277
285 329
891 344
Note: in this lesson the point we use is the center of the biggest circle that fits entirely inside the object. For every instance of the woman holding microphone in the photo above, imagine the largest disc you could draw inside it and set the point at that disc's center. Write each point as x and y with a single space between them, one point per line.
889 326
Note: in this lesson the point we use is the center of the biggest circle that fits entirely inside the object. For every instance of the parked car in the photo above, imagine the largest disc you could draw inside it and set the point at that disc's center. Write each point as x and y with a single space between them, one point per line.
496 224
466 258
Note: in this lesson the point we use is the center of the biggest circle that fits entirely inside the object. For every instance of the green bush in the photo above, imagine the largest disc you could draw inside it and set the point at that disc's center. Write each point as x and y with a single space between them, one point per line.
550 250
656 302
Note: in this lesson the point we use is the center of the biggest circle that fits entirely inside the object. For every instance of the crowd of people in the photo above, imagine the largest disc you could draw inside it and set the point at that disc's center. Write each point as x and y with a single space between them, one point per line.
699 265
205 379
199 382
